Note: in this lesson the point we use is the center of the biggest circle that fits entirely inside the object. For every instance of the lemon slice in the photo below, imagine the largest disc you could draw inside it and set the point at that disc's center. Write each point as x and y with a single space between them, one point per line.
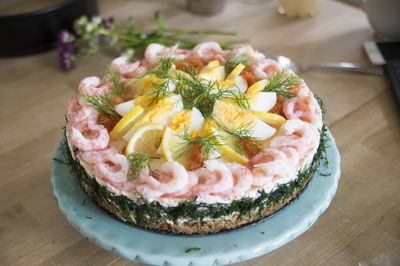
258 86
146 140
126 122
226 147
171 147
235 72
270 118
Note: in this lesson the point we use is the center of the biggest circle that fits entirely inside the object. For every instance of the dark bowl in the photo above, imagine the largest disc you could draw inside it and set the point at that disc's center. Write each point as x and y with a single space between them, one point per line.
37 31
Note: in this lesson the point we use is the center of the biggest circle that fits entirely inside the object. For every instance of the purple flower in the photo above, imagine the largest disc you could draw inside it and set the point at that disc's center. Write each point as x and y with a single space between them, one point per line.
67 53
107 22
65 37
67 64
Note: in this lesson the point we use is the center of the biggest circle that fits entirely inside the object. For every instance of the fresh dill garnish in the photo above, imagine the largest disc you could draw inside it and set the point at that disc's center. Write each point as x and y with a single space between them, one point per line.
241 138
105 102
162 90
160 79
234 60
203 93
193 249
137 162
240 99
207 143
282 81
162 70
117 87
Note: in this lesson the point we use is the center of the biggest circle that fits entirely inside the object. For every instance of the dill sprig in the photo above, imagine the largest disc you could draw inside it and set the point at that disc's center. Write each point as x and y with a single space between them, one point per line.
117 87
234 60
203 93
282 81
241 138
192 250
162 69
105 103
240 99
137 162
208 144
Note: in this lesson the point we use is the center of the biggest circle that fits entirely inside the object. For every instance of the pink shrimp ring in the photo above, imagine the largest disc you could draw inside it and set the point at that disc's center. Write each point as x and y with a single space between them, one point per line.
209 51
264 68
89 137
187 191
92 86
114 167
214 177
127 70
301 136
303 108
243 179
73 108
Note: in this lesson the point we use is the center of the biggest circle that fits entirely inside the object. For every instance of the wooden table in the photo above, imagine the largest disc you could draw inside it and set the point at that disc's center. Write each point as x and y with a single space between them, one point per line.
361 224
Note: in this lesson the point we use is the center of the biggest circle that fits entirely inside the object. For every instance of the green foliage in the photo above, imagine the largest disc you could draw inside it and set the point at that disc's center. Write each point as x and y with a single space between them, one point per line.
233 60
282 81
208 144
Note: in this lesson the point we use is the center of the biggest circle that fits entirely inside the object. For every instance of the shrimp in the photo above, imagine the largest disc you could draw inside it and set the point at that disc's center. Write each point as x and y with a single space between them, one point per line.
154 52
292 155
173 178
127 70
301 90
246 51
303 108
114 168
297 134
243 179
264 68
93 157
209 51
85 114
123 186
92 86
187 191
73 107
214 177
89 136
268 165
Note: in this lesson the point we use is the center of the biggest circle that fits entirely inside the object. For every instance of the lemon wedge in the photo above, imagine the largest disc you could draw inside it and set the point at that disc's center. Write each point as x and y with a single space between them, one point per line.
126 122
226 147
146 140
271 119
235 72
258 86
171 147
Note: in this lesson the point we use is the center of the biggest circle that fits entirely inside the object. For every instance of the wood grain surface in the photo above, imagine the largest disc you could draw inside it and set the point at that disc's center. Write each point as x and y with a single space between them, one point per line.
361 225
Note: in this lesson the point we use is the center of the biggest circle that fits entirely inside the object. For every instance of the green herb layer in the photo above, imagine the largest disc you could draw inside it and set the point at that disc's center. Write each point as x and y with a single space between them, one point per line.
141 213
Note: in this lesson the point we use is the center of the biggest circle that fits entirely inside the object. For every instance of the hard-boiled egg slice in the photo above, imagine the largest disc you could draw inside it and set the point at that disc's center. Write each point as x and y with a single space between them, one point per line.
234 118
239 85
261 130
188 120
160 114
261 101
123 108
